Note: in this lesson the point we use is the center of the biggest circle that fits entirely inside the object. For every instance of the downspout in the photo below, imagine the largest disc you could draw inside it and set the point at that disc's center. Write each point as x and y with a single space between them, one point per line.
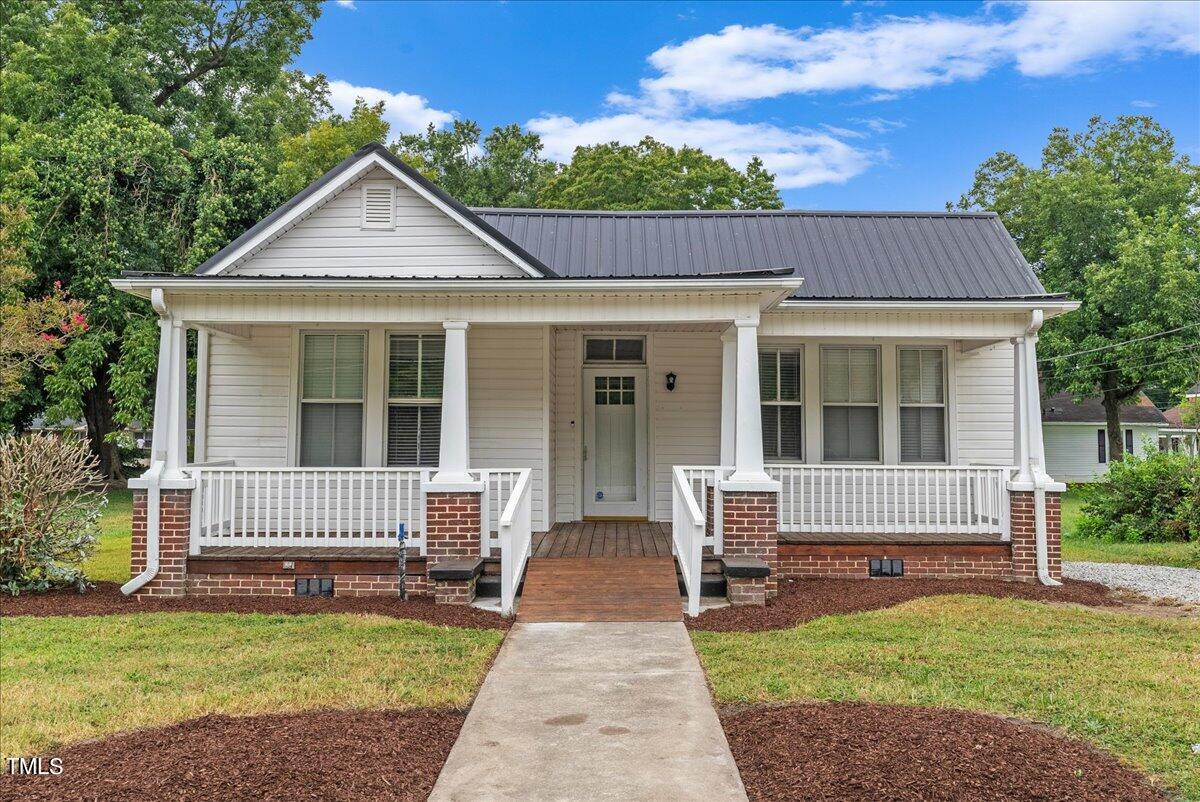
152 479
1035 450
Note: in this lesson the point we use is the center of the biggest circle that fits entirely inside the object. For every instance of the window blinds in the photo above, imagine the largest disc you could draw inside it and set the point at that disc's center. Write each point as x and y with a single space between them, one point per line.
922 404
331 410
415 368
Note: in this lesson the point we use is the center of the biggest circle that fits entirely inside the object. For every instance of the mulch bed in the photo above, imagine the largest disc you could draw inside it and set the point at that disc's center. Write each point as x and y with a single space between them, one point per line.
106 599
801 600
324 755
850 751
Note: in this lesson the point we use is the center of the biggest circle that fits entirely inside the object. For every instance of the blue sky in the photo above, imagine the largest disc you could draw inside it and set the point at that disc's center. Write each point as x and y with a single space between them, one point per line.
855 105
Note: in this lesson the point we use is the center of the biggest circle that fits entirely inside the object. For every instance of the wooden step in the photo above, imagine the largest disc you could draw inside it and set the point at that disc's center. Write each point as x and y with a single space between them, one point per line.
600 589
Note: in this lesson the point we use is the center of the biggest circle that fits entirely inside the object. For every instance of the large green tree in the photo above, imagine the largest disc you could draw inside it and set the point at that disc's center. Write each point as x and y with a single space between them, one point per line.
1110 216
505 169
651 175
139 136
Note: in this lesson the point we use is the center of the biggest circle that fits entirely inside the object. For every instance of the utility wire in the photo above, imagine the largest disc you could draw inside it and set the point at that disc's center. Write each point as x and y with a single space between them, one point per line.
1120 344
1128 365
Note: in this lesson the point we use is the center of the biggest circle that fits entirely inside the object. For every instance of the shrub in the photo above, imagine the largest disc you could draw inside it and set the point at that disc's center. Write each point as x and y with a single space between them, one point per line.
48 516
1155 498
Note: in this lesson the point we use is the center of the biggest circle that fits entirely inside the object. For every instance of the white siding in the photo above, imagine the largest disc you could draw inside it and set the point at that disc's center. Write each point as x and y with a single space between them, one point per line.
248 388
331 241
505 374
1072 454
686 423
984 391
567 425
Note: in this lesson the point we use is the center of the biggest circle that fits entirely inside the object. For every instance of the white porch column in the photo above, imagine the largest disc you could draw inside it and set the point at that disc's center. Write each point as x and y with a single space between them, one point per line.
453 454
176 418
728 395
1020 409
748 474
162 394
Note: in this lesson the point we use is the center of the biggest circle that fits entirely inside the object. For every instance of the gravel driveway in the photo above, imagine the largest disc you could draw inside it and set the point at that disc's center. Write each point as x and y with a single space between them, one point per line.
1155 581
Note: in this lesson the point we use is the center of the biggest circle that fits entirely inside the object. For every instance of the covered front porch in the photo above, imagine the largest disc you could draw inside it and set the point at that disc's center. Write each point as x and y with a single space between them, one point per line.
479 433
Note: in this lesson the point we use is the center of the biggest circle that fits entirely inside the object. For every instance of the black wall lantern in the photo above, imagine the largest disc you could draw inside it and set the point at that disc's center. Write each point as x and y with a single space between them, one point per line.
671 377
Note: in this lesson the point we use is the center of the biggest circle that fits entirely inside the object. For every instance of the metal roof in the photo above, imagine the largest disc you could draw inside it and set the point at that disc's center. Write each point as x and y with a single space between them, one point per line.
1061 408
840 255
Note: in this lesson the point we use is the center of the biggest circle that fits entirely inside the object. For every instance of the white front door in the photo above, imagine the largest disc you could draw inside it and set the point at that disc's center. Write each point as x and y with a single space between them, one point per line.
614 442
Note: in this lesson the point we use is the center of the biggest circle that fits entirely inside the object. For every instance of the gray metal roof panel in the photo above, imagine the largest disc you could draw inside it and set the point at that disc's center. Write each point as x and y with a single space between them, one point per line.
840 255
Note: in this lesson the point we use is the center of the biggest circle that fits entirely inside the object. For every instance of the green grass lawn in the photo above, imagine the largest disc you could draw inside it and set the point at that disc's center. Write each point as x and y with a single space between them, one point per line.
1128 683
110 563
1180 555
69 679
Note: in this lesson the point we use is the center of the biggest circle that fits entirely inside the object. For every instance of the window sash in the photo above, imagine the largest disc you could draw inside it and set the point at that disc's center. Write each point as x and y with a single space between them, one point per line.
850 403
332 391
921 394
781 393
413 434
1101 446
416 364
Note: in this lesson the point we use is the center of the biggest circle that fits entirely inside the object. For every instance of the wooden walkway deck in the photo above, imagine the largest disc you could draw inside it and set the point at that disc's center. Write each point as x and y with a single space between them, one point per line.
604 539
600 589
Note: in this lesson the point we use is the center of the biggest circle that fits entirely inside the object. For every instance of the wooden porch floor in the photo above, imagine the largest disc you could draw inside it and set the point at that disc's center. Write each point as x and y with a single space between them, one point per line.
604 539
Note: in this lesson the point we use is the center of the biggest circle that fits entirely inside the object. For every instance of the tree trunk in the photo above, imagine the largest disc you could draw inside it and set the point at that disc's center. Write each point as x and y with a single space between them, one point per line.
98 413
1112 416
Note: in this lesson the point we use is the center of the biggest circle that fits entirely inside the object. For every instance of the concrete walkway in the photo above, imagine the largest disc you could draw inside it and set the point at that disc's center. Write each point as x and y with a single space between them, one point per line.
592 711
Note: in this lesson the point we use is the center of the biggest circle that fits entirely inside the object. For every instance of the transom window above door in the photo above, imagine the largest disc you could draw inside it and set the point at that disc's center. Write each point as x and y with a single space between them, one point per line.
626 350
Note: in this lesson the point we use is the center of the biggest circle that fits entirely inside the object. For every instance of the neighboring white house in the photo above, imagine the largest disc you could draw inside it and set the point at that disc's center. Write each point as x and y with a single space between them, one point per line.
374 342
1177 437
1076 439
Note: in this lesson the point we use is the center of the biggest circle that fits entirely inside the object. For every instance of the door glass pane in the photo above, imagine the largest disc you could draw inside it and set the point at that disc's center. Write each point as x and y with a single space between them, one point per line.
616 440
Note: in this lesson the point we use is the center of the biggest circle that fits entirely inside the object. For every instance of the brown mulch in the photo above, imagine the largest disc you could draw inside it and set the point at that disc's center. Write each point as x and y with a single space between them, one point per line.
325 755
801 600
106 599
849 751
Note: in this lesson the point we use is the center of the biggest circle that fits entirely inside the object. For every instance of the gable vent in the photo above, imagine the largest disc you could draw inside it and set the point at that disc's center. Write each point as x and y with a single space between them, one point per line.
378 206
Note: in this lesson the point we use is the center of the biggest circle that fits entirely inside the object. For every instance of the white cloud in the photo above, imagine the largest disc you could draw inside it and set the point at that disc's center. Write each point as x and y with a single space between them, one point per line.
798 157
406 113
1143 104
347 4
878 125
891 53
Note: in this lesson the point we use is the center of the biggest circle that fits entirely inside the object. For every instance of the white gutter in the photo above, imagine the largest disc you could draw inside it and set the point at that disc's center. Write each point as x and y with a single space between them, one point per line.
144 286
1033 474
1056 307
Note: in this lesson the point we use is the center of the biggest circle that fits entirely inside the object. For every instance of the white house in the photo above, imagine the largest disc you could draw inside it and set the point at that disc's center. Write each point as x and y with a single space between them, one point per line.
1076 436
811 391
1175 436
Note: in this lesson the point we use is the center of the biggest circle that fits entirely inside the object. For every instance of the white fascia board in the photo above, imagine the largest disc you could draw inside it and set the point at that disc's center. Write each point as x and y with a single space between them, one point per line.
1052 307
771 289
337 185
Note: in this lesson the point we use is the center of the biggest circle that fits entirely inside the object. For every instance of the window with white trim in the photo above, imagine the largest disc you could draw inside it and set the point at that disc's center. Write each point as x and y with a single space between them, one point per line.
780 378
414 407
922 376
631 350
850 403
331 399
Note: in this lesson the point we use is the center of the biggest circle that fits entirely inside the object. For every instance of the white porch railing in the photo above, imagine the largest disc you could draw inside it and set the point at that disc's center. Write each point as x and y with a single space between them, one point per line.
515 538
357 507
687 534
885 499
705 481
498 489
